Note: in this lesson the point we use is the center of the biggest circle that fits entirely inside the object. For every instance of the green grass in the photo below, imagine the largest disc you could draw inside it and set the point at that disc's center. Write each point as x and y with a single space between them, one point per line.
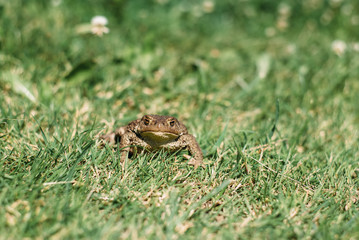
274 109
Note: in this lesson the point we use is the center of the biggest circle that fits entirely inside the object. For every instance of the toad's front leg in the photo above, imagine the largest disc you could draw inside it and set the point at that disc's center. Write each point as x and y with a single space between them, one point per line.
194 149
129 141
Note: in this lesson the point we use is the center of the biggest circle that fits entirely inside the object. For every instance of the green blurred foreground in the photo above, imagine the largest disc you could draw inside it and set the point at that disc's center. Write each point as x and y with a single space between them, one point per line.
270 89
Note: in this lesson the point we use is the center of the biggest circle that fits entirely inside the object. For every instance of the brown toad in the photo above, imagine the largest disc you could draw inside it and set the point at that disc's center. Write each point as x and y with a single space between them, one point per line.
153 133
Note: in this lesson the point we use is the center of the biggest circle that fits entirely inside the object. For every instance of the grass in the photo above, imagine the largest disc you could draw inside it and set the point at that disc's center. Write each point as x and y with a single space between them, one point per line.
273 108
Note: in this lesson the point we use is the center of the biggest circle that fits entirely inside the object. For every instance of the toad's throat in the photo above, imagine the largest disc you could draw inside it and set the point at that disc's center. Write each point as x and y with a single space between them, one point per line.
159 137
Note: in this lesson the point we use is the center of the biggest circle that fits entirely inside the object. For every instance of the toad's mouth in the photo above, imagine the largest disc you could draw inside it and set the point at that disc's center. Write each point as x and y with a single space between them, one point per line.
159 137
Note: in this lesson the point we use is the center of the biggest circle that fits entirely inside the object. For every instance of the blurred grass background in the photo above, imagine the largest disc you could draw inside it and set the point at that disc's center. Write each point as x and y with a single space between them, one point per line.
269 88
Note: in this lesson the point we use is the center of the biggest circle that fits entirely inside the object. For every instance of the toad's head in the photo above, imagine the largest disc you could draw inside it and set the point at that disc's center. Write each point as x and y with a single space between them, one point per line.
160 129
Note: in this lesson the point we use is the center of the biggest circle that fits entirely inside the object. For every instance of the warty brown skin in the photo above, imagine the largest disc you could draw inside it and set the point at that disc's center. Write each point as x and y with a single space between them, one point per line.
153 133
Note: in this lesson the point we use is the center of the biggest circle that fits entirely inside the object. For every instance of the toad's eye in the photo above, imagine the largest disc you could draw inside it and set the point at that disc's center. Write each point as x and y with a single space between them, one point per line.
172 123
146 122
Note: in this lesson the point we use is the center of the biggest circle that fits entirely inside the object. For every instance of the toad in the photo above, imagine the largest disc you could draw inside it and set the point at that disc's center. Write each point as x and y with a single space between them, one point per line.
153 133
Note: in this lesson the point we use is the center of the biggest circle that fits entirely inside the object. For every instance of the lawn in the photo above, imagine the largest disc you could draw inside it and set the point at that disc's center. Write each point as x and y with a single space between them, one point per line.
269 89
